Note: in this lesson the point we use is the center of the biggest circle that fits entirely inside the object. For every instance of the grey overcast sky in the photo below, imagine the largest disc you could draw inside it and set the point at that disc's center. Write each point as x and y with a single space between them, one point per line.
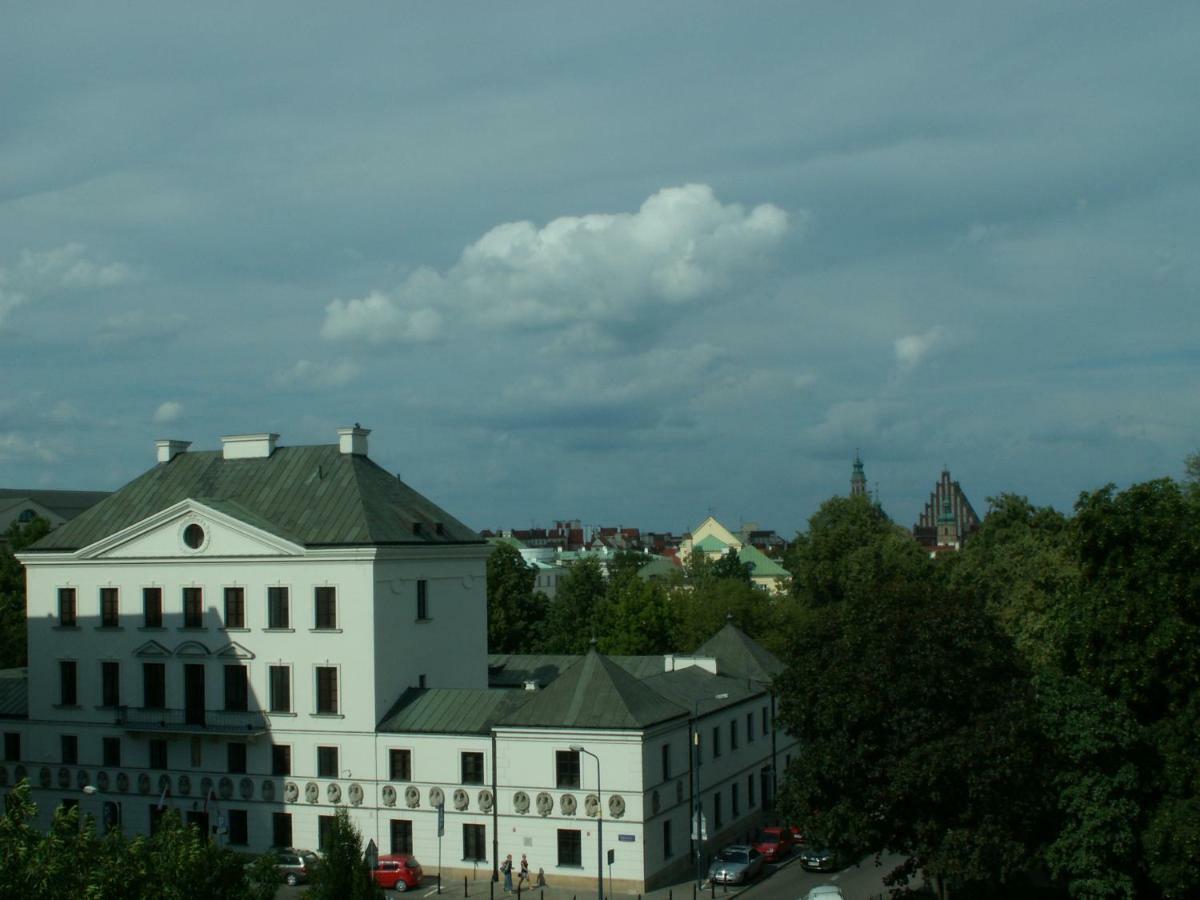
621 262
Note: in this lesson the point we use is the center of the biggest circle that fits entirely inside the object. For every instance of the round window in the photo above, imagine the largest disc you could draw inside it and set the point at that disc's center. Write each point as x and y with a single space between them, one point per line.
193 536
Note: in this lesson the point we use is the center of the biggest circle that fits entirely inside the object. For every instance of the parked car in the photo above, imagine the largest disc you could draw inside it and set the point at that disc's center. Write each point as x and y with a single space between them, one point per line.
797 835
774 843
295 866
398 871
818 858
736 864
825 892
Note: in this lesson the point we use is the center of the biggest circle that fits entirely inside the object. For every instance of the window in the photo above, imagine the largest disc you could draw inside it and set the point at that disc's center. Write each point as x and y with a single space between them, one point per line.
193 607
667 852
666 761
422 599
110 749
472 768
12 746
281 829
327 762
421 682
277 607
325 604
69 745
749 727
324 832
566 769
109 612
717 810
327 691
152 607
154 685
735 805
235 607
280 678
66 683
239 834
733 734
401 836
236 758
750 792
766 727
570 847
66 608
281 759
236 689
110 684
158 753
475 842
400 767
716 748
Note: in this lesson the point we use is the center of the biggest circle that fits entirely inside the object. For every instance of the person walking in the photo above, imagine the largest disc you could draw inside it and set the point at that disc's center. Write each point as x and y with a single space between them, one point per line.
524 879
506 868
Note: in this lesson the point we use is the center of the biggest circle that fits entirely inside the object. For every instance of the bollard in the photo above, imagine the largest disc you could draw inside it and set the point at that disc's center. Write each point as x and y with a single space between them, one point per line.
439 882
491 890
712 888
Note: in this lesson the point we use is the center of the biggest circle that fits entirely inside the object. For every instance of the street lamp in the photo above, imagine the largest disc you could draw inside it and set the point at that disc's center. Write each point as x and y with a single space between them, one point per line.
599 823
697 802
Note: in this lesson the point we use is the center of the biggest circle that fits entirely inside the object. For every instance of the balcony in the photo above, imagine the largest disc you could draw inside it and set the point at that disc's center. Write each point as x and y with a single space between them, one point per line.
185 721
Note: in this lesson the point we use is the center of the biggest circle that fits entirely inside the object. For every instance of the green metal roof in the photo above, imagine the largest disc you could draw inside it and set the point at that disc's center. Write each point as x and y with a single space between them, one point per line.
594 693
14 693
314 496
711 544
740 656
450 710
514 669
764 566
658 567
693 685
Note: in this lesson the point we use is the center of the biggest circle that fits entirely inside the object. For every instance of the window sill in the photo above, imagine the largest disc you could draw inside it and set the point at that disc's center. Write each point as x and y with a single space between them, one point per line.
233 628
279 630
66 706
281 712
151 628
326 715
570 866
424 621
65 627
109 628
191 628
324 631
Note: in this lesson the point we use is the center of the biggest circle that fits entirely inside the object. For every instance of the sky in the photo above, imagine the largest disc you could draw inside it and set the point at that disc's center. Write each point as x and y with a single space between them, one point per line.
626 263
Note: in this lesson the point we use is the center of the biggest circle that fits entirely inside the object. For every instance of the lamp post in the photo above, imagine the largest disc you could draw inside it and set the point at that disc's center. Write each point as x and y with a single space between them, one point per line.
698 802
599 823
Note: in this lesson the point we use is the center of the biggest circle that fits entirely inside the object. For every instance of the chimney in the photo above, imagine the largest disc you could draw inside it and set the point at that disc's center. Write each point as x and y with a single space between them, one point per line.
168 450
353 440
248 446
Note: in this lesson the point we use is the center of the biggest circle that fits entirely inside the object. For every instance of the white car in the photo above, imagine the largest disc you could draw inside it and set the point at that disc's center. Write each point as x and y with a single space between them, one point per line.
825 892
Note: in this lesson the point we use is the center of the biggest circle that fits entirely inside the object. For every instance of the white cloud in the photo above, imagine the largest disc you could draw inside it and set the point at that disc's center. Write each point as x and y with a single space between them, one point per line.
306 373
168 411
913 348
139 324
65 268
16 447
600 271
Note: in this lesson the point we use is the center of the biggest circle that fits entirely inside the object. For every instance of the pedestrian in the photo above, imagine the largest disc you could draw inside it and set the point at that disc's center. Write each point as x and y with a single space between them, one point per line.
506 868
541 882
524 879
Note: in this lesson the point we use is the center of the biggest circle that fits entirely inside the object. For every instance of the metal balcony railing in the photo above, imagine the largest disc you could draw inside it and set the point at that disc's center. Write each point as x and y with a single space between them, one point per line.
182 721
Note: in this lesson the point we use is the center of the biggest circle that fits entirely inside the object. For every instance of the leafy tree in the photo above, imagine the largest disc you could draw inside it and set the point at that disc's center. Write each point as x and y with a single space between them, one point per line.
12 590
574 614
516 612
731 567
639 618
701 609
343 873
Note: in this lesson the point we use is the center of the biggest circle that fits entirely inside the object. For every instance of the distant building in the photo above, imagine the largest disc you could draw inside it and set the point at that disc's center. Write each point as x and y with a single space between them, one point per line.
948 519
858 478
714 540
21 506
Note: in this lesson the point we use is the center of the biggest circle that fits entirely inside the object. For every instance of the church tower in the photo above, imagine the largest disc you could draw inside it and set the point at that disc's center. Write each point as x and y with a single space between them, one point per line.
858 480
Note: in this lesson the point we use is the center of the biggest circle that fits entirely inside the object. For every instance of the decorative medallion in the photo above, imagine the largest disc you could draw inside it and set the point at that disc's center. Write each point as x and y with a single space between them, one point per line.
545 804
246 788
334 792
521 802
44 776
185 785
412 796
82 779
268 790
20 773
436 797
122 782
312 792
206 786
591 805
460 799
291 792
616 806
389 795
567 804
164 784
356 794
64 778
485 800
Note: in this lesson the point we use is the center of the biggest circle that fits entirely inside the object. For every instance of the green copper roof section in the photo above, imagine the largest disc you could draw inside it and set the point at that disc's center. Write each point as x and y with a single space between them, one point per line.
696 689
514 669
658 567
450 710
711 544
740 656
764 566
594 693
314 496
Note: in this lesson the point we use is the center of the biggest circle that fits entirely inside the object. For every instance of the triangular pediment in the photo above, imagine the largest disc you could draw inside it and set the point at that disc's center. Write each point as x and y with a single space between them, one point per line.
195 528
192 648
152 649
234 650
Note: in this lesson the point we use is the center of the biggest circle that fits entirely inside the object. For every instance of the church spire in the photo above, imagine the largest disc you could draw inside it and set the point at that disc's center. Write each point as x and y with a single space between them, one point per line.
858 479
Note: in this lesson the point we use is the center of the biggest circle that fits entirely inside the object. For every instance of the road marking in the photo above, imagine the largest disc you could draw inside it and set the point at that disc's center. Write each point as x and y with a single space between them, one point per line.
431 893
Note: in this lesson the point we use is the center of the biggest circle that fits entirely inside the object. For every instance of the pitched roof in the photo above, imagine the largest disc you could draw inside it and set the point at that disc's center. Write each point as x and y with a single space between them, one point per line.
764 566
450 710
65 503
740 656
711 544
695 688
514 669
314 496
594 693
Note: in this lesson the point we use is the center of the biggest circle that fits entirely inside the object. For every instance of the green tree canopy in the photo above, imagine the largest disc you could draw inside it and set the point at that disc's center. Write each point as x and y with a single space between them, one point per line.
516 612
343 873
12 590
573 618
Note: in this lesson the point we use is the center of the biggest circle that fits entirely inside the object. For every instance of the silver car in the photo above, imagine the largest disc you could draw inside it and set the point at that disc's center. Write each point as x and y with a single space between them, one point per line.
736 864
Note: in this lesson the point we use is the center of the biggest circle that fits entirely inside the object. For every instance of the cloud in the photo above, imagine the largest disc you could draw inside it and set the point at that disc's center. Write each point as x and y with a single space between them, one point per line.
913 348
139 324
168 411
16 447
606 272
306 373
66 268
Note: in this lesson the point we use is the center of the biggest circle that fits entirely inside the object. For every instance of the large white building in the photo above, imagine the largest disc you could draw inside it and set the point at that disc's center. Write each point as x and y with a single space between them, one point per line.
259 634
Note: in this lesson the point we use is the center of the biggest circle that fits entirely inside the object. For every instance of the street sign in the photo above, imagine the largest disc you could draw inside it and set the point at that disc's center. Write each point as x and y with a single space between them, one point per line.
441 819
371 854
627 838
612 854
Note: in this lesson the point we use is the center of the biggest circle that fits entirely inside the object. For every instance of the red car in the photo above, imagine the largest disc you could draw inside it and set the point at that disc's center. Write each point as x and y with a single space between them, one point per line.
774 843
398 871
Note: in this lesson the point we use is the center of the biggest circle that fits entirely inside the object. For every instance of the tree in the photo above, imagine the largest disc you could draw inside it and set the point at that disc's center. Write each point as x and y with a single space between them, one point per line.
343 873
731 567
12 590
516 612
639 618
573 618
